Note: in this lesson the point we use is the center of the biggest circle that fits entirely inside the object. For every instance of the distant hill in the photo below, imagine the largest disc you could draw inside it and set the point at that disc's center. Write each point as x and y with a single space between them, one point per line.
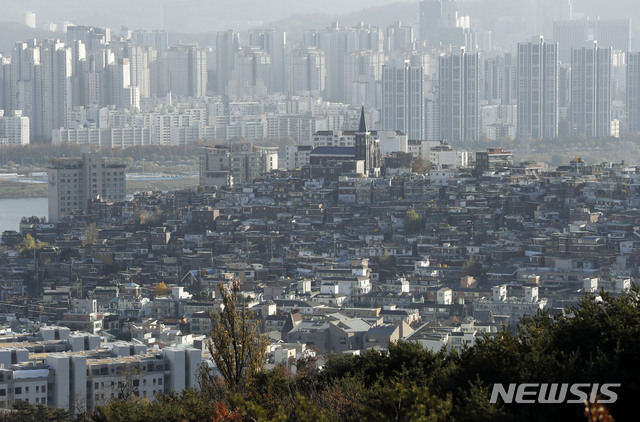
295 25
211 16
11 32
378 16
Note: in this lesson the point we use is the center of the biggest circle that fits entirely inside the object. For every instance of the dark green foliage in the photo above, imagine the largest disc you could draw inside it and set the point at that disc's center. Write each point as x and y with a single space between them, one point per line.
189 405
26 412
413 222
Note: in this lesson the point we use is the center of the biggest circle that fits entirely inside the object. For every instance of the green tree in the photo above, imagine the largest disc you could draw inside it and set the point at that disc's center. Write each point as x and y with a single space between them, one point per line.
388 269
24 411
402 399
236 344
413 222
472 268
29 245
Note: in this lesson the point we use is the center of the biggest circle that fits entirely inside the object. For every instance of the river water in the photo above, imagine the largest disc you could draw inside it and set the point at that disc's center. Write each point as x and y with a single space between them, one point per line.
13 209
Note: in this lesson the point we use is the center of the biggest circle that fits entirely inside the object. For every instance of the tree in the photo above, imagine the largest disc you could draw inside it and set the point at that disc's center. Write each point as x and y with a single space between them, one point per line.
472 268
24 411
412 222
419 165
91 234
29 245
388 269
162 289
236 344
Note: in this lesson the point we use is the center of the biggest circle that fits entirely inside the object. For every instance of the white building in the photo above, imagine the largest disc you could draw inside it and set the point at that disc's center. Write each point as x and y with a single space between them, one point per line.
499 304
30 19
14 128
393 141
296 156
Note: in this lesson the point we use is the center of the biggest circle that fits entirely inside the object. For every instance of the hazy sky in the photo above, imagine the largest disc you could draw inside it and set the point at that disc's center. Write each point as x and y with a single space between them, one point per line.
215 15
203 14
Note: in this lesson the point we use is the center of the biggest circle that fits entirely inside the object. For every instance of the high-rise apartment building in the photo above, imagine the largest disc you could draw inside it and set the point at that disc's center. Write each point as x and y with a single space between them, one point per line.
182 70
53 88
74 181
30 19
121 92
92 37
398 38
227 44
19 78
306 71
274 42
403 99
139 58
633 92
573 34
458 95
537 90
363 76
337 43
548 11
591 91
251 75
614 34
435 15
500 79
570 34
157 39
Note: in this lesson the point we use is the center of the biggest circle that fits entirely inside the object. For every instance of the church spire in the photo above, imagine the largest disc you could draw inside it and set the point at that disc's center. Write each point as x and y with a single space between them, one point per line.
363 124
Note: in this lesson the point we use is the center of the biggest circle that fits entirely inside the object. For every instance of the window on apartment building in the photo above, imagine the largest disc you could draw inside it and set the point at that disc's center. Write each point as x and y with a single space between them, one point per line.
18 390
3 391
44 388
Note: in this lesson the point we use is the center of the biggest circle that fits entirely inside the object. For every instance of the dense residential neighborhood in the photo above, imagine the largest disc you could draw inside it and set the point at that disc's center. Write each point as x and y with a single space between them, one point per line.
331 264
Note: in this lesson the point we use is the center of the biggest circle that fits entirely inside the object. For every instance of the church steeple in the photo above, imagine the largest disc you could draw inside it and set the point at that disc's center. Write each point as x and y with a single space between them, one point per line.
363 124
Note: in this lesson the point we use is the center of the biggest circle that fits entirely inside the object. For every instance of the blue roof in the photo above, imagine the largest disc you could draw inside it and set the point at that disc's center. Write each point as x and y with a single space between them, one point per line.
209 271
334 150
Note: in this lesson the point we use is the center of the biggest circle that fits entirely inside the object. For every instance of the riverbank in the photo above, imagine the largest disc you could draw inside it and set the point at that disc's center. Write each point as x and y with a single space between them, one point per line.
13 189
